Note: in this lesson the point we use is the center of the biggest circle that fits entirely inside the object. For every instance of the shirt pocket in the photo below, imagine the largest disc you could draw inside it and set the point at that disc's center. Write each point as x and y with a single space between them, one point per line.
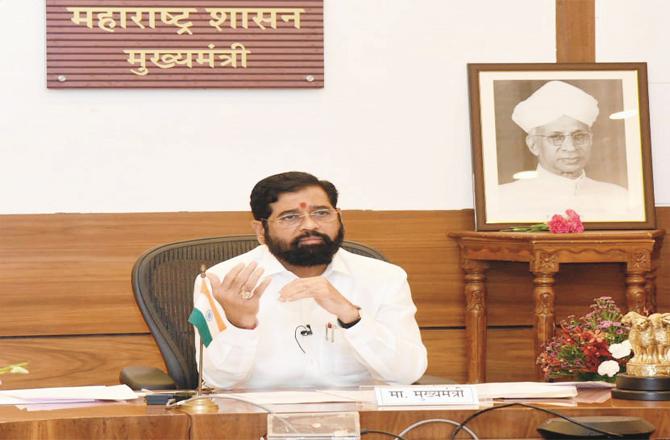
339 357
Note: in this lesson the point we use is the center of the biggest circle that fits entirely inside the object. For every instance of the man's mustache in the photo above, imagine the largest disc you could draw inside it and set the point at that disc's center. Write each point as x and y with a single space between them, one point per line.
326 239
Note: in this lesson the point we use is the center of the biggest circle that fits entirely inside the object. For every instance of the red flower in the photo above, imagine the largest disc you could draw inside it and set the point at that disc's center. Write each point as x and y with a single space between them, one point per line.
559 225
563 225
574 221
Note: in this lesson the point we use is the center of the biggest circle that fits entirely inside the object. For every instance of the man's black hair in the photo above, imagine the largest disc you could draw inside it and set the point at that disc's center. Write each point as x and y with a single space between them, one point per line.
268 190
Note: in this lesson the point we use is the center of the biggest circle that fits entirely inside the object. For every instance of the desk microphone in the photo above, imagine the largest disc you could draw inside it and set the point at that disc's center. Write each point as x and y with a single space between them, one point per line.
305 330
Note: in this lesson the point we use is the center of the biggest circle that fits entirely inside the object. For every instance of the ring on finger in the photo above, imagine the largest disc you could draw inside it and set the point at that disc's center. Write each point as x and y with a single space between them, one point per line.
246 294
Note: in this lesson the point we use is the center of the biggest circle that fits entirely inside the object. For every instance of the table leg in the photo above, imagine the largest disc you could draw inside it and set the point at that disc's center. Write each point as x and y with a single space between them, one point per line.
636 294
544 266
650 288
639 266
544 297
475 319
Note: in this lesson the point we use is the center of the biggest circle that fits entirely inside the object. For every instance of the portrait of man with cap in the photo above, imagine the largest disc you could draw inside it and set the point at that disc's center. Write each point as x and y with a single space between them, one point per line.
557 119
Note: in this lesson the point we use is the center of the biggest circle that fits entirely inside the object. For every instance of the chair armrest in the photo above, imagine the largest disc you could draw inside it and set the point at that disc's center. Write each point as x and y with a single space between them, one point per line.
149 378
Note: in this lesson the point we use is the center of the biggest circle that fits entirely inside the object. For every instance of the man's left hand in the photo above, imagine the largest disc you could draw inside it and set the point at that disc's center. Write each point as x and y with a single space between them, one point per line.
324 294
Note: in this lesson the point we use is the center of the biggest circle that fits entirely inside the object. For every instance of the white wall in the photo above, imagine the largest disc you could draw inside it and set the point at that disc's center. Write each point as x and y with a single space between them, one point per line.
390 129
638 31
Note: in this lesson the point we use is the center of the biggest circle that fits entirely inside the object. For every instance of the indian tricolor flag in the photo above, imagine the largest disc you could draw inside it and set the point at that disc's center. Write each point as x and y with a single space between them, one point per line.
205 316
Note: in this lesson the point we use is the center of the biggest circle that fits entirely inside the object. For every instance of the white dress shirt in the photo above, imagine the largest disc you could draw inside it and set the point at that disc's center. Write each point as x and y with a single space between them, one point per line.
547 194
384 346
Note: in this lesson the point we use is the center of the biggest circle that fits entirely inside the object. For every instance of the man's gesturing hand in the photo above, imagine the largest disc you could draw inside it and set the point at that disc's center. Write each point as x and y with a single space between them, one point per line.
324 294
239 283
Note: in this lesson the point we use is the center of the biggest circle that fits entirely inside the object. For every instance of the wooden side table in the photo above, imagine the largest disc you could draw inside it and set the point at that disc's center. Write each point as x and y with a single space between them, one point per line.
545 252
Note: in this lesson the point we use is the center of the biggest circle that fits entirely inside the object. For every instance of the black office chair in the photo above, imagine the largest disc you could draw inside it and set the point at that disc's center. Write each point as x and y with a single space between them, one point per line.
162 281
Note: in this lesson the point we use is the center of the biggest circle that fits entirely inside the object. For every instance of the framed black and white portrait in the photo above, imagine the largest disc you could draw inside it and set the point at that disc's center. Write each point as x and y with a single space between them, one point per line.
552 137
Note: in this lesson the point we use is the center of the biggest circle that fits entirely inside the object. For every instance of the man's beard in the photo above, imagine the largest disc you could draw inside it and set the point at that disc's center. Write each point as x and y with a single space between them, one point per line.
305 255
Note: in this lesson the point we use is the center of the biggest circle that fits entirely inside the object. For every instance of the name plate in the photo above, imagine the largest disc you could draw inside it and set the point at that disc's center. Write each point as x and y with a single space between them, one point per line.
426 395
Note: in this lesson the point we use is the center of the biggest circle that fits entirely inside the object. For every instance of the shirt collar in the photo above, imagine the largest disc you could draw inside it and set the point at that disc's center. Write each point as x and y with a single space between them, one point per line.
547 175
269 263
338 264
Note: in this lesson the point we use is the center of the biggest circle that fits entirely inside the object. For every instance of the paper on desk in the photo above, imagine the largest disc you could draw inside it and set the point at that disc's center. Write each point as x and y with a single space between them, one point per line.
585 384
524 390
67 405
289 397
66 394
354 395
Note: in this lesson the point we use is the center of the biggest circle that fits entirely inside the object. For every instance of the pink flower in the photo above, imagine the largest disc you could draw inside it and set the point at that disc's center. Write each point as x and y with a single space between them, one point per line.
558 225
572 214
574 221
562 225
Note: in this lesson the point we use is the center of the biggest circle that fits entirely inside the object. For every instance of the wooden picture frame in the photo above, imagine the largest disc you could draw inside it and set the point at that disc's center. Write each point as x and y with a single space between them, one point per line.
580 141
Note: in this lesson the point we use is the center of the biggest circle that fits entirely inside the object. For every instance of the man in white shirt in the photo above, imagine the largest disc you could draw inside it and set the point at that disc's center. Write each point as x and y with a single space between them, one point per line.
303 312
557 119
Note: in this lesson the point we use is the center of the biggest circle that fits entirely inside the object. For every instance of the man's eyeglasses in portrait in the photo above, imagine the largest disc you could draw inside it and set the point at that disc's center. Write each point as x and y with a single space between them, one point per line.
579 138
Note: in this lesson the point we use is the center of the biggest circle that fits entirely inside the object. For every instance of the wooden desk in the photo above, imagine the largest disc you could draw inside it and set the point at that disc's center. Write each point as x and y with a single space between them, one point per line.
545 252
241 421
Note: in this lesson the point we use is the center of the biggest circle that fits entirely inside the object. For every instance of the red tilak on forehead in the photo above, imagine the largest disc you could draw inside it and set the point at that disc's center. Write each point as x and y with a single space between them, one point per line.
303 205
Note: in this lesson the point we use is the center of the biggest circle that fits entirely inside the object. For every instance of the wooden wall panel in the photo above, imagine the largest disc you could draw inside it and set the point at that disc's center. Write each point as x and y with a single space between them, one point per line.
78 265
76 361
510 354
417 241
97 360
69 274
576 31
510 290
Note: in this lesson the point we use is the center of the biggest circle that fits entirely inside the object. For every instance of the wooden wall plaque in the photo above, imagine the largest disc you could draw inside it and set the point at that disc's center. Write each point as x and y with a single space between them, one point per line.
185 43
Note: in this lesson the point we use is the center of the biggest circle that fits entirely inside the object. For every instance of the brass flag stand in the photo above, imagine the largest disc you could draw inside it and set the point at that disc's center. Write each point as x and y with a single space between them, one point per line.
200 403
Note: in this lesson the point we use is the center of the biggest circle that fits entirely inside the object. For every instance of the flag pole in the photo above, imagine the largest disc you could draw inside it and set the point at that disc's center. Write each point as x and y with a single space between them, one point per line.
201 365
199 403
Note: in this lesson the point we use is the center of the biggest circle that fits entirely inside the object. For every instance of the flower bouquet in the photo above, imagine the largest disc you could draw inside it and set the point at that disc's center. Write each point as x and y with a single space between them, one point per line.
592 347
